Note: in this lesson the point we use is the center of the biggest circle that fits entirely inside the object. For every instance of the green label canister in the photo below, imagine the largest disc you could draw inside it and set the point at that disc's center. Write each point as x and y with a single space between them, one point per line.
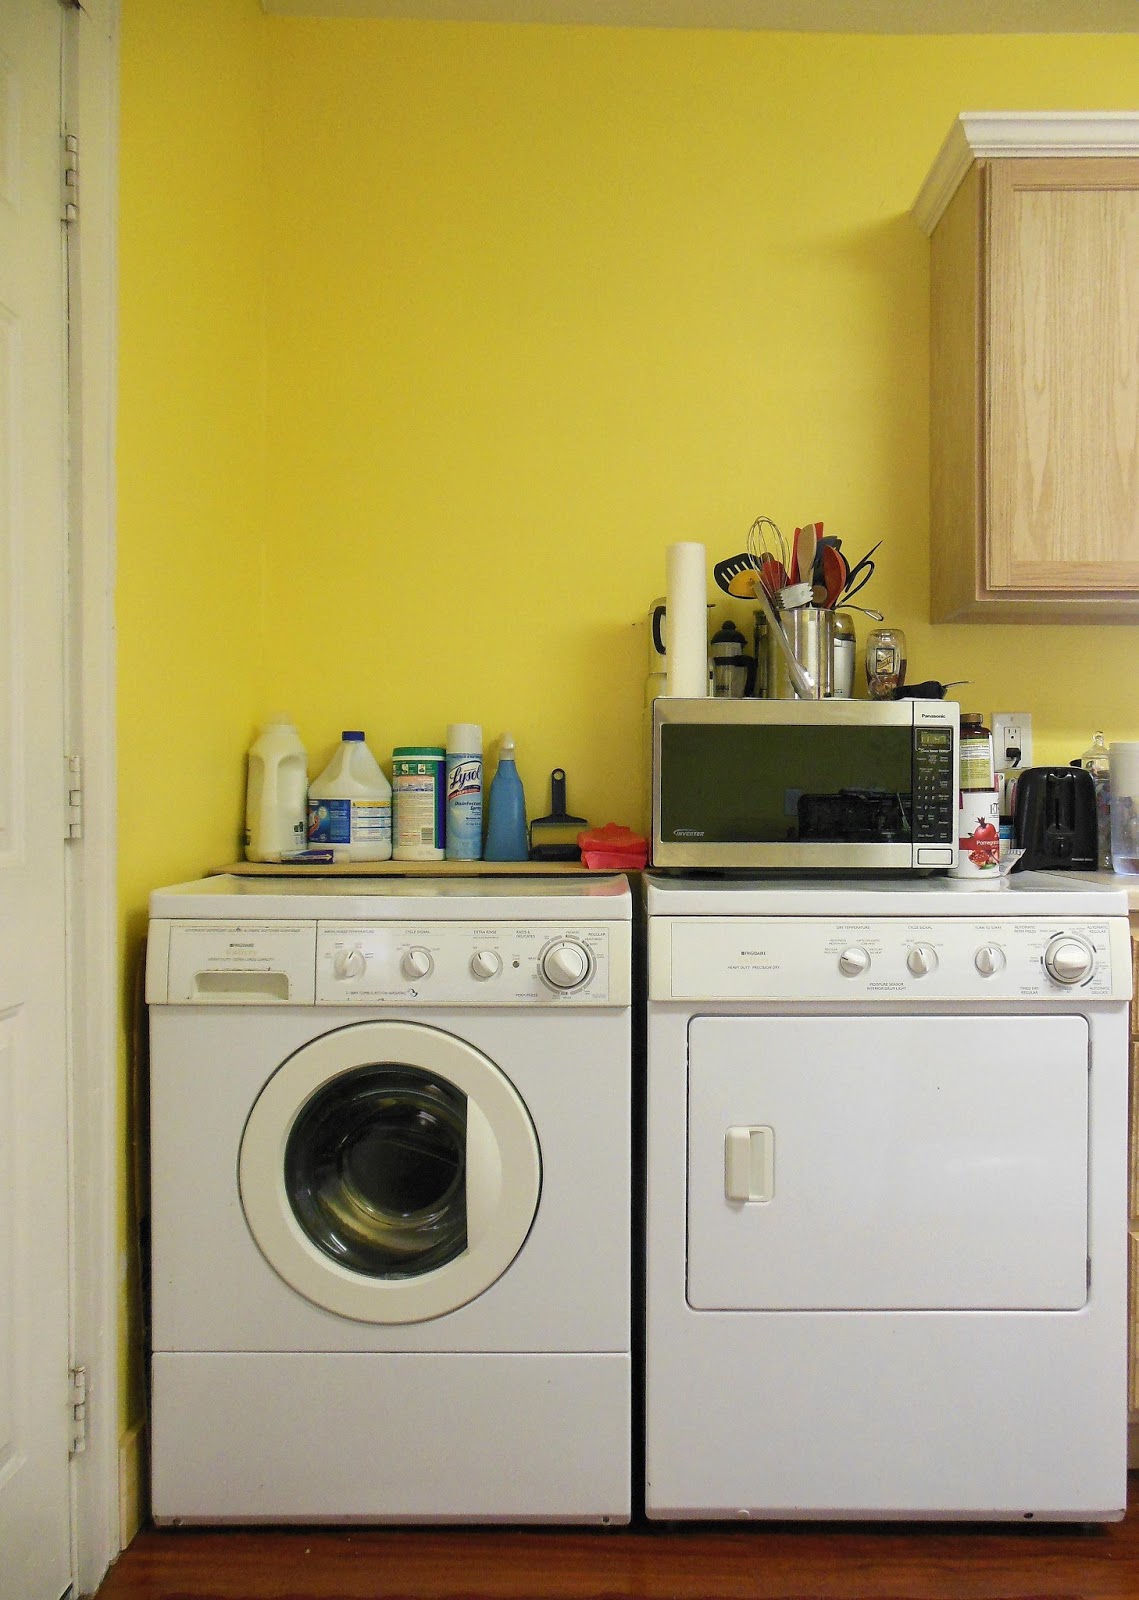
419 801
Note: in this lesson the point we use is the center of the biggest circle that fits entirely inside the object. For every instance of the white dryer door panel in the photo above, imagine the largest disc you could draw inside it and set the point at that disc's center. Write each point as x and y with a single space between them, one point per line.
886 1163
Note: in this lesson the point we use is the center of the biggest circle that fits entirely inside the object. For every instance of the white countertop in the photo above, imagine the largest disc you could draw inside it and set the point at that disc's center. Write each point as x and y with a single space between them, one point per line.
1128 881
1021 894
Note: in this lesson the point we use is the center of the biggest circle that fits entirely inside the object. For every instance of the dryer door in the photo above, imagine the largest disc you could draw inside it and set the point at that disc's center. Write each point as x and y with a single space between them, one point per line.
389 1172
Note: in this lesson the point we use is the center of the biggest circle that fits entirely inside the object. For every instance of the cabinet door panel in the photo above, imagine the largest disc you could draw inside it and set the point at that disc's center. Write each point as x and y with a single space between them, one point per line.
1063 376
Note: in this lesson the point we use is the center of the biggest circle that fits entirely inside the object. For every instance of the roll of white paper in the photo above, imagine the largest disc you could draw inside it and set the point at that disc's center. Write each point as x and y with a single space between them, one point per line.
686 621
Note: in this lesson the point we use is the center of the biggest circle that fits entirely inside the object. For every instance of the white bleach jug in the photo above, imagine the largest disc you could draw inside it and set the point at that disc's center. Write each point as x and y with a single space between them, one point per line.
350 804
276 793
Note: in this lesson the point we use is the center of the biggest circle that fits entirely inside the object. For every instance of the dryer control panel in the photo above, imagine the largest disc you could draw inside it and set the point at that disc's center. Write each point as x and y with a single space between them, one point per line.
355 964
831 959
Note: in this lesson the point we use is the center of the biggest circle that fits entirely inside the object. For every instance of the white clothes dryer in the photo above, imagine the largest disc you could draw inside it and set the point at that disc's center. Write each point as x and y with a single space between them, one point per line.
887 1199
390 1157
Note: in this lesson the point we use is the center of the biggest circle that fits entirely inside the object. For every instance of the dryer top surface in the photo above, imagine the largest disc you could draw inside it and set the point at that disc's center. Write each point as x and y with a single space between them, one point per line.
603 899
1024 894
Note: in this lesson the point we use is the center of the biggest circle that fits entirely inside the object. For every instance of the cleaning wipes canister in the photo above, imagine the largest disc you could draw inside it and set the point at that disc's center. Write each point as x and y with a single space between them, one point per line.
418 802
464 791
350 804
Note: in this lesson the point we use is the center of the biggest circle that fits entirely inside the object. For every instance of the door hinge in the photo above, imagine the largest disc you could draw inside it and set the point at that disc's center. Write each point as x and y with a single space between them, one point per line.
77 1400
73 797
70 177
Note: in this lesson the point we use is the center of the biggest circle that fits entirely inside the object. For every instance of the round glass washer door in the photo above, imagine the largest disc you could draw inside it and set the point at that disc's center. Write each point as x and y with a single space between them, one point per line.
389 1172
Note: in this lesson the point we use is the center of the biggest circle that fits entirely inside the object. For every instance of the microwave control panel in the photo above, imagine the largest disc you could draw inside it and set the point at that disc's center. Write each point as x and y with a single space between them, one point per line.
935 786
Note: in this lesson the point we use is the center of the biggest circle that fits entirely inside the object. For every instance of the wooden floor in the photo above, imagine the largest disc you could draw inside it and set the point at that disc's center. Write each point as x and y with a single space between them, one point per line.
768 1562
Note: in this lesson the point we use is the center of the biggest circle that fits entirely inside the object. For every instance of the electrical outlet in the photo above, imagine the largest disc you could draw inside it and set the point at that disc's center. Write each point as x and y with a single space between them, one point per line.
1012 731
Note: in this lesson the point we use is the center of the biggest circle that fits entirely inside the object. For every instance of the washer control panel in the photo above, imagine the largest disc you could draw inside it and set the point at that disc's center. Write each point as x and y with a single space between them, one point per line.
352 963
839 960
467 964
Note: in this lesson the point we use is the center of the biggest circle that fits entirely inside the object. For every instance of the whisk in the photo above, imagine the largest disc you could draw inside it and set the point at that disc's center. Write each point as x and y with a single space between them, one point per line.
768 550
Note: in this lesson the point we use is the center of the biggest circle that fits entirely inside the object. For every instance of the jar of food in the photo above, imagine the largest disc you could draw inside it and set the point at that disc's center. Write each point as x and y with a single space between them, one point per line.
976 753
885 662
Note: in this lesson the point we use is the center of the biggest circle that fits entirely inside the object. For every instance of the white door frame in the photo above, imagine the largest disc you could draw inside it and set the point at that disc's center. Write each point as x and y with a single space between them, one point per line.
94 978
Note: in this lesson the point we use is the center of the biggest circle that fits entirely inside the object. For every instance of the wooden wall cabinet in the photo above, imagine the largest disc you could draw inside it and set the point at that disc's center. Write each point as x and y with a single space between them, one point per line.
1034 369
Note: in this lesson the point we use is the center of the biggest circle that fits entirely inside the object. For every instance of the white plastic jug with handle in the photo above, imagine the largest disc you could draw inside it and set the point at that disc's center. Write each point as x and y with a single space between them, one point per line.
350 804
276 792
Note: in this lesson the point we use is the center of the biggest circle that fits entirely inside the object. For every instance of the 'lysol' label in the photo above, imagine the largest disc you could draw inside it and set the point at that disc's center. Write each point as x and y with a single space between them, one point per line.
464 807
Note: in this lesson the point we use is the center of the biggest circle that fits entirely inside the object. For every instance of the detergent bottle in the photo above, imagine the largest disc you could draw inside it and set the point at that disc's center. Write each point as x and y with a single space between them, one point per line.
506 825
350 804
275 792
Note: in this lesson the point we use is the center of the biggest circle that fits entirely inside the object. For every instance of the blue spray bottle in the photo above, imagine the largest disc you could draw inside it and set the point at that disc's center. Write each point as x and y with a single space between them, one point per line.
506 826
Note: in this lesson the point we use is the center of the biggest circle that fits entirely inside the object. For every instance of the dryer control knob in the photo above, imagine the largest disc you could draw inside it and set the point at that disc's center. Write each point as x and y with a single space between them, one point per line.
565 965
486 964
854 962
349 964
990 958
1069 959
921 959
416 963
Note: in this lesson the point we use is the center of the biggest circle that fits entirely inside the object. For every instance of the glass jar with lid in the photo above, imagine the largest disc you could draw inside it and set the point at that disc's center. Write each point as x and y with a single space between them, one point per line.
885 662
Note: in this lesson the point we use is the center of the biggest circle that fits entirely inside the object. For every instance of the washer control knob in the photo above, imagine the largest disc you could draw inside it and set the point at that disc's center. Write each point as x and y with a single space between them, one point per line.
921 959
349 964
486 964
1069 959
989 960
565 964
416 963
854 962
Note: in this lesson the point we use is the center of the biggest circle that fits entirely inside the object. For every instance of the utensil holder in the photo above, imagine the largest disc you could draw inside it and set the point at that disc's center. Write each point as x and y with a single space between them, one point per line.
809 632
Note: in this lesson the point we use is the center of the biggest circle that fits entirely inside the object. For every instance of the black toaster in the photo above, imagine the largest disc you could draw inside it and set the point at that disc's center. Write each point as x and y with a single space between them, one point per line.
1054 819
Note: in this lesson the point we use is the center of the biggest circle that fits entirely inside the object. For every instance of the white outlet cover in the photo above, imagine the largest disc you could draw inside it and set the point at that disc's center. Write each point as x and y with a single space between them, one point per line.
1011 729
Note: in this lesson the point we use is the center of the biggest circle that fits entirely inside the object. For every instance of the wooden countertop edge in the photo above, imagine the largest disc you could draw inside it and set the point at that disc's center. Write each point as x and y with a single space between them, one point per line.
410 869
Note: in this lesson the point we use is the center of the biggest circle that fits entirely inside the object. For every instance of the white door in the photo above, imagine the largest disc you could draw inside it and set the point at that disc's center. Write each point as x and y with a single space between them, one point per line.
888 1163
35 1541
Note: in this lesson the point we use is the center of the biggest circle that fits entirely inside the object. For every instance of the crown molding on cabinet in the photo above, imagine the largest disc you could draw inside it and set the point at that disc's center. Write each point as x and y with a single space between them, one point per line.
791 16
979 134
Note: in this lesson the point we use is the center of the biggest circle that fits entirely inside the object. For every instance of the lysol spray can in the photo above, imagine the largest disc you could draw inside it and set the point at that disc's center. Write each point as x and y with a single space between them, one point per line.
464 791
418 795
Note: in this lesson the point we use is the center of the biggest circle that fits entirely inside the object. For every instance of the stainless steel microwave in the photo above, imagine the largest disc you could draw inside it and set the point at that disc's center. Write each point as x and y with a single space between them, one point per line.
839 785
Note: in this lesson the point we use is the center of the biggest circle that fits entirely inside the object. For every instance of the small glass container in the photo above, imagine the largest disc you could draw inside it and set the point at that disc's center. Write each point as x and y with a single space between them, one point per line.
885 662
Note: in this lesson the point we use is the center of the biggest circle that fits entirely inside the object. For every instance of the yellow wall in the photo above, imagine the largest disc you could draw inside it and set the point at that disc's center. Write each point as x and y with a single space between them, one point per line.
542 300
435 335
190 452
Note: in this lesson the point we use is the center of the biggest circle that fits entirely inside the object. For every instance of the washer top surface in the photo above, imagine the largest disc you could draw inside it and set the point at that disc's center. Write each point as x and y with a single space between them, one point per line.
1024 894
586 899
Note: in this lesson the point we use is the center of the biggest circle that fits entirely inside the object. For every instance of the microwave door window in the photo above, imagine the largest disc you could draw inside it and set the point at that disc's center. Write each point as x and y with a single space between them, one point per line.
750 784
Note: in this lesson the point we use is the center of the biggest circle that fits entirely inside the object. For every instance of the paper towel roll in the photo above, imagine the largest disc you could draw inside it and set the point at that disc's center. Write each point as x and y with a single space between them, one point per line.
686 621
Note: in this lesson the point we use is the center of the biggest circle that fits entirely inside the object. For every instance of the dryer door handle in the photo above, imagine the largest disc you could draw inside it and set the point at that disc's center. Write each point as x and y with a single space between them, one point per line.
749 1164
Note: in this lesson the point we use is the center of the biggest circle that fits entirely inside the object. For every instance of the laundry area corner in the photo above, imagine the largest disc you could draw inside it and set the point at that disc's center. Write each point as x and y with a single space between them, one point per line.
724 1126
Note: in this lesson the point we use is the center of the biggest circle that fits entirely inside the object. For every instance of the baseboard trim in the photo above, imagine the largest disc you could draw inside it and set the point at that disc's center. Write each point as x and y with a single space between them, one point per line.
132 1482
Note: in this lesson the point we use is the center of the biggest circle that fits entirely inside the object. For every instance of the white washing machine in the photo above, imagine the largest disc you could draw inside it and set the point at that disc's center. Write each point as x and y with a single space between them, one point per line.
390 1156
886 1202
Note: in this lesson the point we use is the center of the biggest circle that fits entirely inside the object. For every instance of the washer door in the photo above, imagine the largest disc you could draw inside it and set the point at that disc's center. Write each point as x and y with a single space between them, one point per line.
389 1172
